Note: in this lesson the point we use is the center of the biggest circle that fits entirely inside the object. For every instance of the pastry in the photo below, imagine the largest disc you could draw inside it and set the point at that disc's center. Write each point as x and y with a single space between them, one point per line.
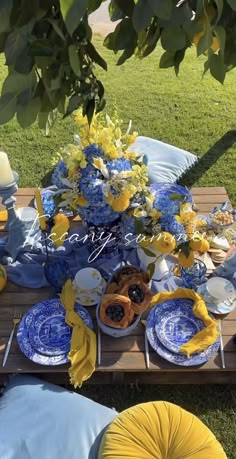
112 288
139 294
115 311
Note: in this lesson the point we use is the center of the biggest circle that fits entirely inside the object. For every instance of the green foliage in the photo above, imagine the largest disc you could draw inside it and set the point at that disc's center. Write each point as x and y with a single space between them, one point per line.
50 59
51 40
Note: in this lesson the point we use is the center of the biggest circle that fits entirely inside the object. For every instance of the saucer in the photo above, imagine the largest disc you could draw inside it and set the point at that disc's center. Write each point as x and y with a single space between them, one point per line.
224 307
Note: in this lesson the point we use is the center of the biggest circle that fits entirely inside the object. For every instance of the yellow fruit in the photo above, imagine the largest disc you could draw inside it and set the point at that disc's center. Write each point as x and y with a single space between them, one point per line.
184 261
146 243
60 218
195 243
165 243
204 246
3 277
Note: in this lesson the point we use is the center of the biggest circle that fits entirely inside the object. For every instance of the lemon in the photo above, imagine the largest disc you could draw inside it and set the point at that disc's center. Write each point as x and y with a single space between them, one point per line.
184 261
60 218
3 277
195 244
165 243
204 246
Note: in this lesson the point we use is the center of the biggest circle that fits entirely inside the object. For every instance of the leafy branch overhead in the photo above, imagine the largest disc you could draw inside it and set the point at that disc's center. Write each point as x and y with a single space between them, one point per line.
52 61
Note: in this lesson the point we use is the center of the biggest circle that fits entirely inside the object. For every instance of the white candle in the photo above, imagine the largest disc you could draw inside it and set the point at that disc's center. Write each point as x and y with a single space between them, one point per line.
6 174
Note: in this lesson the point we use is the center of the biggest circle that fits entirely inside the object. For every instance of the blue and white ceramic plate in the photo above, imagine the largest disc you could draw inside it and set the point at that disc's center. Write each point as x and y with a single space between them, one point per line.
225 307
176 324
52 335
178 359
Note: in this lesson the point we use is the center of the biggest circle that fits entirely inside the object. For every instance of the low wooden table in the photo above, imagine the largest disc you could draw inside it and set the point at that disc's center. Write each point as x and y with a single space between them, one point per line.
123 359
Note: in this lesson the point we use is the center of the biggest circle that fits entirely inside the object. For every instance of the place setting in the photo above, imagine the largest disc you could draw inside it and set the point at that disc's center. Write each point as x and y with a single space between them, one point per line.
43 334
170 325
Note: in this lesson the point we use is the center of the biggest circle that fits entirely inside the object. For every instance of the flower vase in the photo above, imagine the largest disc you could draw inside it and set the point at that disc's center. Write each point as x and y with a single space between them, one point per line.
159 260
103 239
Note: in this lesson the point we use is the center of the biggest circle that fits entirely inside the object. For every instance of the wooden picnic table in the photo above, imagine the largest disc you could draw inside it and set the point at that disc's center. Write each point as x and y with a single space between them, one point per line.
123 359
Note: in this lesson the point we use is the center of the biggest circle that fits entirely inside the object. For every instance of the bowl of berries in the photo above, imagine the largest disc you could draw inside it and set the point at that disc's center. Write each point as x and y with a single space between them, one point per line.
126 298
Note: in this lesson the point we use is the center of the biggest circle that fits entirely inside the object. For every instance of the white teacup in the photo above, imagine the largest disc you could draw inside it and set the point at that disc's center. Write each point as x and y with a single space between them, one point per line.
219 290
90 286
29 217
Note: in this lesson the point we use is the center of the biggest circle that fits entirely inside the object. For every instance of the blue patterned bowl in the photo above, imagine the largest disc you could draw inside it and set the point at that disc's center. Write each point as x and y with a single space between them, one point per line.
194 276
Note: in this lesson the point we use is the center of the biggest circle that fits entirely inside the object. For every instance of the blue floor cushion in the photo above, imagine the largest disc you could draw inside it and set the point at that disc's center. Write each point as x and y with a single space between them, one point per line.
166 163
39 420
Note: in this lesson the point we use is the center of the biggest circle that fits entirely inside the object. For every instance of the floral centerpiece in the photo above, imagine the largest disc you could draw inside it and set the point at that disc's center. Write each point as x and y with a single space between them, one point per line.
98 175
166 224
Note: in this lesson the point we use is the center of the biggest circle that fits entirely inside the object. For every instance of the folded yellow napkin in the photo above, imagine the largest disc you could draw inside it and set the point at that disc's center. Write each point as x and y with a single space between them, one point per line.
83 347
208 335
3 215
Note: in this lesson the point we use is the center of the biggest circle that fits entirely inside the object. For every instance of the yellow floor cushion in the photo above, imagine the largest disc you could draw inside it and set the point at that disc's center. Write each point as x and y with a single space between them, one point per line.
159 430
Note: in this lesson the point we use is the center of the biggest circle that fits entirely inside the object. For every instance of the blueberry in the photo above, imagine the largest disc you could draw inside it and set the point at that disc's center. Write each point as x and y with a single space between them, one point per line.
136 294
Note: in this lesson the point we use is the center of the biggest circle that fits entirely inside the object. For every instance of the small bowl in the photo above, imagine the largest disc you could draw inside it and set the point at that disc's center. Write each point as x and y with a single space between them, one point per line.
116 332
217 226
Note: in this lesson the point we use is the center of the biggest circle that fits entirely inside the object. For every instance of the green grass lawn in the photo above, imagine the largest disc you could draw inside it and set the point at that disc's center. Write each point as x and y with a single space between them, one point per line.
196 115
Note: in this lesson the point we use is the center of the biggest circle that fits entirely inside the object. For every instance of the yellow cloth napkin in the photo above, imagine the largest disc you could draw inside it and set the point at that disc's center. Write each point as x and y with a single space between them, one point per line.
3 216
83 347
208 335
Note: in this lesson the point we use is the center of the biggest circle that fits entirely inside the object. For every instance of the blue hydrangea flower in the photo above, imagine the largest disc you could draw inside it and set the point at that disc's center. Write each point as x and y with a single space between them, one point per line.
59 172
99 215
165 205
169 224
93 151
119 165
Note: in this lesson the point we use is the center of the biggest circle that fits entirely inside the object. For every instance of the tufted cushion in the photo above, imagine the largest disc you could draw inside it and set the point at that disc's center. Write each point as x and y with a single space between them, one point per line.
159 430
166 163
42 421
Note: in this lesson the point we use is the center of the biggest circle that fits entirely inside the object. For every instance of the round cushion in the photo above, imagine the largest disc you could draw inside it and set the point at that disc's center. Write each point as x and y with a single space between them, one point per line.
159 430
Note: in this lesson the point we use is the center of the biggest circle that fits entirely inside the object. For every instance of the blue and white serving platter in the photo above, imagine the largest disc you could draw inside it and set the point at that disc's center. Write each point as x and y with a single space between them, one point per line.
176 324
51 341
225 307
178 359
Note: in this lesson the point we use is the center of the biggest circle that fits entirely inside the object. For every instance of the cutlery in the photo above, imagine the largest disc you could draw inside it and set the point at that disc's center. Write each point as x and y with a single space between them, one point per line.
16 320
221 347
99 346
147 358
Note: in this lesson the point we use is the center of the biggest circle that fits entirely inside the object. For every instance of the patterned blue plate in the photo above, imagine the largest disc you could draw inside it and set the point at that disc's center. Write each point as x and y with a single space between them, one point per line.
48 332
168 196
176 323
29 349
178 359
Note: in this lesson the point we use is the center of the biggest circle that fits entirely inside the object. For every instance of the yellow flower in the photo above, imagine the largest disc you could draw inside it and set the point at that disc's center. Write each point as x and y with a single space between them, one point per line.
155 214
98 163
130 155
81 201
119 203
111 151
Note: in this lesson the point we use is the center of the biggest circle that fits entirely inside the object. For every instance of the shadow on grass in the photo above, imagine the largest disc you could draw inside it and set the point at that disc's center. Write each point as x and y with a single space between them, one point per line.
209 159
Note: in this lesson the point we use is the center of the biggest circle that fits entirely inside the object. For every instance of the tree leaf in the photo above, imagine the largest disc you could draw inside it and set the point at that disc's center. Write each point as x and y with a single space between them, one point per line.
232 3
123 36
95 56
27 114
5 14
151 269
139 228
127 6
178 58
18 82
73 12
46 120
217 68
205 41
115 12
74 103
219 32
142 16
167 60
161 8
16 44
220 5
173 38
90 109
7 107
74 60
148 252
56 27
